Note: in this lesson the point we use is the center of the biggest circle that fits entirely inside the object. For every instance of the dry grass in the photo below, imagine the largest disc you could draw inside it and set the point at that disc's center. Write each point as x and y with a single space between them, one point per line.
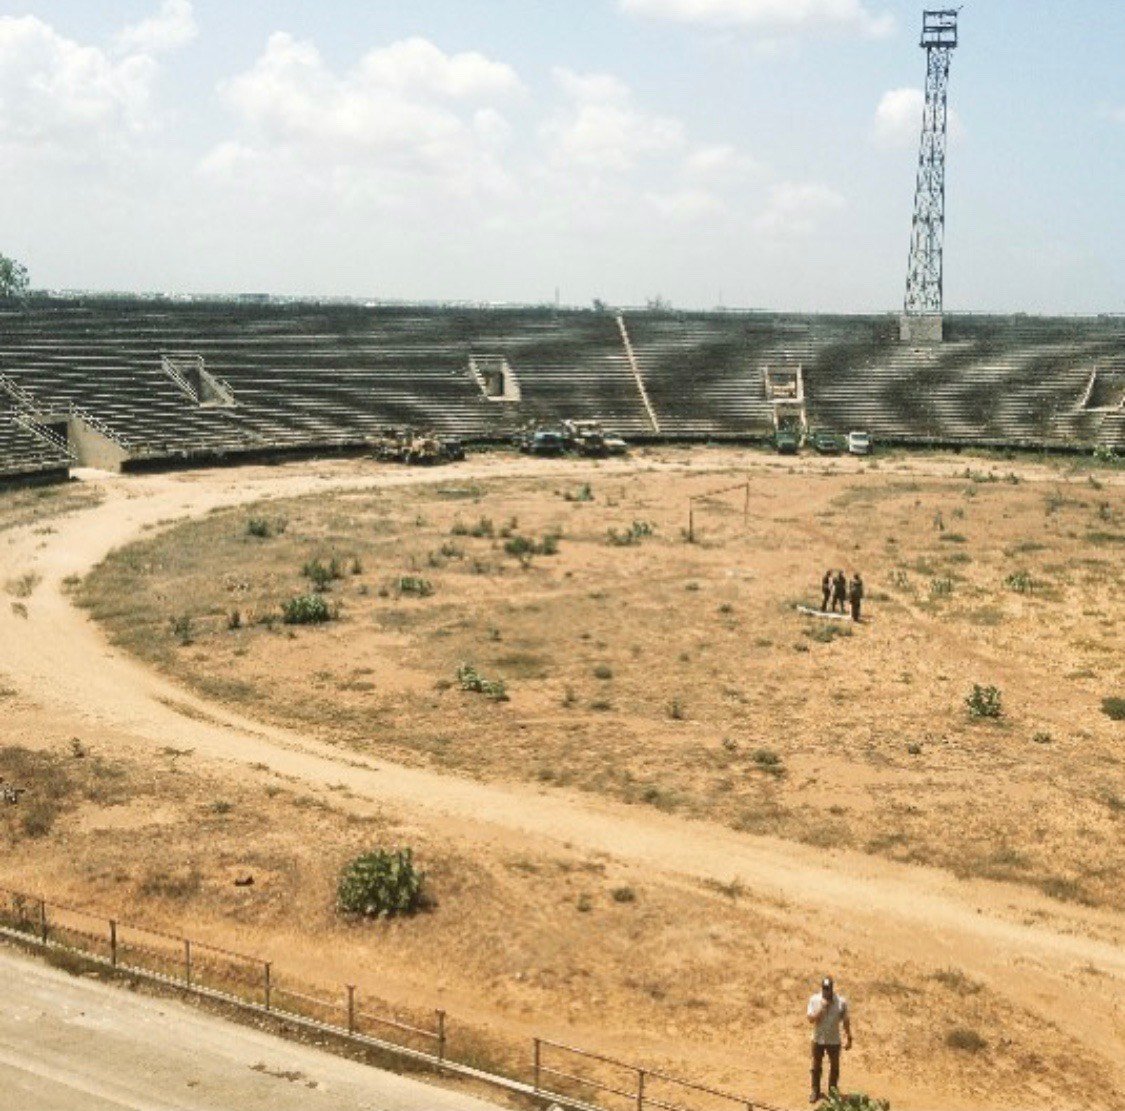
506 946
624 683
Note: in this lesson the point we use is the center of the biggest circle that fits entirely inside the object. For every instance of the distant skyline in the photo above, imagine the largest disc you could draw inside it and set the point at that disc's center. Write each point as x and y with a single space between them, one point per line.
745 153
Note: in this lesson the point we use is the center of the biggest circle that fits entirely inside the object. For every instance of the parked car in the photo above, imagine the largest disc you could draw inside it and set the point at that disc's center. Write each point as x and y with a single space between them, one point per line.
859 443
787 441
543 442
826 442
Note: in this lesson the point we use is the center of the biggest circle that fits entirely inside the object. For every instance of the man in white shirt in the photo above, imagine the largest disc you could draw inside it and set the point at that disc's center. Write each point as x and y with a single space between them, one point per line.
827 1013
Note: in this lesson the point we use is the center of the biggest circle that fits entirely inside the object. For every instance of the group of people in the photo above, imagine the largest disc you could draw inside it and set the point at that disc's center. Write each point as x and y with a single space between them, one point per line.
839 594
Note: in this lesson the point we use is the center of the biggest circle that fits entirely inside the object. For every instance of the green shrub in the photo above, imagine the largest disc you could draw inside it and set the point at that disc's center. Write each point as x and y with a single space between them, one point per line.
1114 708
965 1039
984 702
413 584
182 628
634 534
322 574
854 1101
585 492
260 527
471 680
941 587
768 761
603 671
1020 581
380 884
306 609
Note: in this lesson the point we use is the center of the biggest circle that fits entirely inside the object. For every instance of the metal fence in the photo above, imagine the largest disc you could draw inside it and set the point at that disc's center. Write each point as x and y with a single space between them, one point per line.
589 1081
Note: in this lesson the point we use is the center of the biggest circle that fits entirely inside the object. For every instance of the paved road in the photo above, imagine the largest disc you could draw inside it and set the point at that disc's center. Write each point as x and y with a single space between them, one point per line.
73 1044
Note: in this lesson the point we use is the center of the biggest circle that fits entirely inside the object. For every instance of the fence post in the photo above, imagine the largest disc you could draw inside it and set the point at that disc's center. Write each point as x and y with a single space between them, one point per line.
112 943
537 1057
640 1089
43 920
351 1008
266 983
441 1035
187 962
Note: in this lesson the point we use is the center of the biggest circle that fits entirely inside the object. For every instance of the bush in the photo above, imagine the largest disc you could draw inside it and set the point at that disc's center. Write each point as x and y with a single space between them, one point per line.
1114 708
471 680
941 588
322 574
1020 581
306 609
768 761
965 1039
585 492
412 584
181 627
380 884
855 1101
634 534
984 702
259 526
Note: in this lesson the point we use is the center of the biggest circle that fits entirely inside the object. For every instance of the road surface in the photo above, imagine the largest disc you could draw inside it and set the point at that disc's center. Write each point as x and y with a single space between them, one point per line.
73 1044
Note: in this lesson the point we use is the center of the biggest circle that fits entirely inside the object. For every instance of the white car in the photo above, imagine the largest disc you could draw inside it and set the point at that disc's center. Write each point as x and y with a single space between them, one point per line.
859 443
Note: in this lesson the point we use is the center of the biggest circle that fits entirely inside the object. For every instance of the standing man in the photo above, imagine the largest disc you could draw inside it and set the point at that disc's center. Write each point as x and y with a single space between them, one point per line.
855 595
827 1013
826 590
839 591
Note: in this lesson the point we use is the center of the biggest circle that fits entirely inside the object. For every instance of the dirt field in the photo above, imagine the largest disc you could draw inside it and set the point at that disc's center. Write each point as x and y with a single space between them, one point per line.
694 799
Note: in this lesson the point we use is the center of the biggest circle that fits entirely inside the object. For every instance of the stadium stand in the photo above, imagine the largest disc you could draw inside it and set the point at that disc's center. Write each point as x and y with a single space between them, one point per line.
155 382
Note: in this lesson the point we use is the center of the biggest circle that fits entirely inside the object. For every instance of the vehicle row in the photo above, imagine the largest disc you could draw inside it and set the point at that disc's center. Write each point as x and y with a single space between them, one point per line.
788 440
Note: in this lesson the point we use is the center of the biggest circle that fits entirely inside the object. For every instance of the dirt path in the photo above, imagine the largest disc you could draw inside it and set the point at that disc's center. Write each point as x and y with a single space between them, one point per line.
1020 943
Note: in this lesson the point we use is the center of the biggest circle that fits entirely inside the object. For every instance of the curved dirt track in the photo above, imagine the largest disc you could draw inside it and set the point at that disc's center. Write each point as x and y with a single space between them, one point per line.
1020 943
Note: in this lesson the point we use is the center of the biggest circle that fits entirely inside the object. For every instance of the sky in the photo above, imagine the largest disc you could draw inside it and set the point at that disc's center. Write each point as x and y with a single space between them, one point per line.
742 153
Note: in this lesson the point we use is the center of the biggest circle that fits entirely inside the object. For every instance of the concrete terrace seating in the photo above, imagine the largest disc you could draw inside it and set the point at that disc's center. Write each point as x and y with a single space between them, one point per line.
1004 381
703 373
24 452
74 361
319 377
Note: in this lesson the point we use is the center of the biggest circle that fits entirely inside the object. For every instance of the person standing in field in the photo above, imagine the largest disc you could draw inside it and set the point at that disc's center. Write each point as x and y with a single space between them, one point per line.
826 590
839 591
827 1014
855 595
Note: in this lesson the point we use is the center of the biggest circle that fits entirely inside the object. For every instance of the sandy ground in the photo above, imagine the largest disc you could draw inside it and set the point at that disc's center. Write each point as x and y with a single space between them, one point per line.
1027 948
68 1043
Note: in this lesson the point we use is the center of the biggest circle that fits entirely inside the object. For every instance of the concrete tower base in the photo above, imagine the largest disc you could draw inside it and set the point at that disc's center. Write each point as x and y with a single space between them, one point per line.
920 329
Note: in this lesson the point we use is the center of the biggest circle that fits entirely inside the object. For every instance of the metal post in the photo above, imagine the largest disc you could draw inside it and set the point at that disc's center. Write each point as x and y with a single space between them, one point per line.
351 1008
441 1035
43 920
187 962
266 982
640 1090
691 522
112 943
538 1054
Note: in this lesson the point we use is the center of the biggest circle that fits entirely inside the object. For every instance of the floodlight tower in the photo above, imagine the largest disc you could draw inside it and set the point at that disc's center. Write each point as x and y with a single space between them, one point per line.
922 319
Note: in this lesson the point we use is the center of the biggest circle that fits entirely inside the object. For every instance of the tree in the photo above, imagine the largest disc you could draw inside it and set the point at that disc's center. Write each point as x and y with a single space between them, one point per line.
13 277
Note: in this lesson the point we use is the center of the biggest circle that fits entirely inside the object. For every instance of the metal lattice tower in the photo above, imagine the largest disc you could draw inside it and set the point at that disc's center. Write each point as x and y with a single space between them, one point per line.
924 274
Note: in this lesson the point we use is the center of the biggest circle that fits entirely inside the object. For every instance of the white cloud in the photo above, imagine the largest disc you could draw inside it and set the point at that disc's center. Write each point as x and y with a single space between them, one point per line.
59 96
686 204
407 112
171 28
719 162
770 16
796 208
1113 113
601 130
898 119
